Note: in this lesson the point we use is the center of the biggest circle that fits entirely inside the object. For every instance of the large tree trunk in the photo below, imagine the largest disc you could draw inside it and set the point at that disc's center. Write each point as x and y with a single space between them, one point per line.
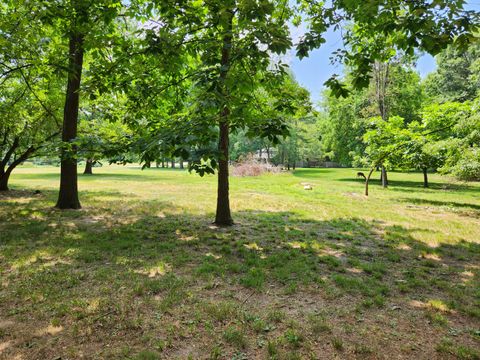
181 164
382 77
4 176
425 178
68 195
88 167
384 177
381 74
173 163
223 215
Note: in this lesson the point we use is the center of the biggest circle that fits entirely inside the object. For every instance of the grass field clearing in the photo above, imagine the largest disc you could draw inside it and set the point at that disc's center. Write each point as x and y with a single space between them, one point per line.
140 272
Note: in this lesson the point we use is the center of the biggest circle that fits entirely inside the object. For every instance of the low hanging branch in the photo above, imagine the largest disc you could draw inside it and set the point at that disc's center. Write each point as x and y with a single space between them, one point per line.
12 69
5 170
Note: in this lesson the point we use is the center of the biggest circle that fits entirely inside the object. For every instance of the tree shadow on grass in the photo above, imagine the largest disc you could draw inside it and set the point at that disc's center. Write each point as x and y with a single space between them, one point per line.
448 204
283 246
98 175
155 169
407 186
36 197
123 258
18 194
312 172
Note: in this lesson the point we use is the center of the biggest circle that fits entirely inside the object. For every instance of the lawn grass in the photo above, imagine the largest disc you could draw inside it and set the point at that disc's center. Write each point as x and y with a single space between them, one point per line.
140 272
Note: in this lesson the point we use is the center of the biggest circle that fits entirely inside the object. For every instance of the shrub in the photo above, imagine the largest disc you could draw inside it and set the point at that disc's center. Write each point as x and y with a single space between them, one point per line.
248 166
468 166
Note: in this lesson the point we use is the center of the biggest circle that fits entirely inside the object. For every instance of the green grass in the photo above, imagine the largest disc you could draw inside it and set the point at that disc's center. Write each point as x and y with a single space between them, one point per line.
141 273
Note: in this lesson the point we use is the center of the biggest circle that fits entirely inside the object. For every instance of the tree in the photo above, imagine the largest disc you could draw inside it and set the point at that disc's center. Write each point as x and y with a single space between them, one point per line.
29 124
242 145
102 133
379 30
43 25
87 26
223 216
454 86
457 77
390 80
455 136
419 154
447 139
417 150
292 103
29 87
342 126
240 24
394 91
229 44
100 139
382 143
68 194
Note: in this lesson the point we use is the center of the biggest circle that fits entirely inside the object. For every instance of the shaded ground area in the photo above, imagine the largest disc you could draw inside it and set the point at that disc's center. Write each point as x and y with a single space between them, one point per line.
135 278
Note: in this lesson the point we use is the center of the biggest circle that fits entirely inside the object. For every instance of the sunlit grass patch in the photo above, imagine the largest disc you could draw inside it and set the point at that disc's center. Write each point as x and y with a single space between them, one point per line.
438 305
160 269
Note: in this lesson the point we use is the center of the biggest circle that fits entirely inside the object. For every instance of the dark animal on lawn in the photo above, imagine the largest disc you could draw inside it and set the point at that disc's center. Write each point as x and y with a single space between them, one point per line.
361 175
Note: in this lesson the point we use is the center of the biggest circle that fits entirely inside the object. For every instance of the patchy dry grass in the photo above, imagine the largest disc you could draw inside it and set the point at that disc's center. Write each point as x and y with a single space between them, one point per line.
140 273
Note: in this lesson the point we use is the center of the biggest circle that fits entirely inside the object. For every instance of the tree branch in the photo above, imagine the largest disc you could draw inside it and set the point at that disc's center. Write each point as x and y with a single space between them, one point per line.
10 69
49 111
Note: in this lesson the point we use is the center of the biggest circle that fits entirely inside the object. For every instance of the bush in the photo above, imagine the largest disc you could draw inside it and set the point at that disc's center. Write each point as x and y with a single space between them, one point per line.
249 166
468 166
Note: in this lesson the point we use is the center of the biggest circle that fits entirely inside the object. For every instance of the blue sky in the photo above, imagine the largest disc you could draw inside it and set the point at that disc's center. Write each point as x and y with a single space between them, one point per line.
313 71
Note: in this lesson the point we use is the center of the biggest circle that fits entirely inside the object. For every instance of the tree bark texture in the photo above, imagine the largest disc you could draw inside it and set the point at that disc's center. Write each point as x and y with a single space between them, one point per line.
68 194
223 215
